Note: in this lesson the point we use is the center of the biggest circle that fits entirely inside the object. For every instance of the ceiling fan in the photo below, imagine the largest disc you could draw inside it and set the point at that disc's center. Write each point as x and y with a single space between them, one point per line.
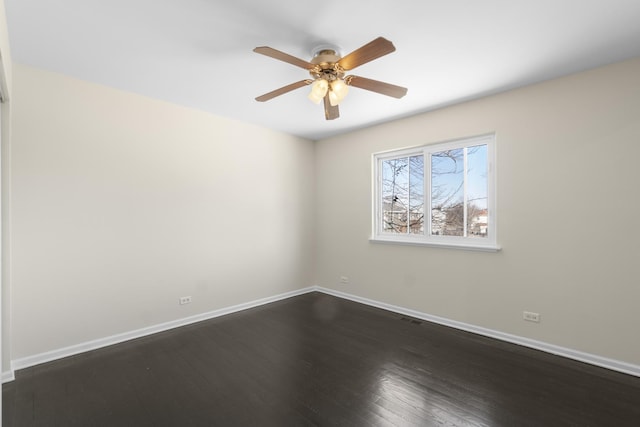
327 68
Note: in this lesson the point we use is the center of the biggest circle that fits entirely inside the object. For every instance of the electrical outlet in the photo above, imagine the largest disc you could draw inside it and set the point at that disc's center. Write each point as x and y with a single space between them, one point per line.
185 300
530 316
344 280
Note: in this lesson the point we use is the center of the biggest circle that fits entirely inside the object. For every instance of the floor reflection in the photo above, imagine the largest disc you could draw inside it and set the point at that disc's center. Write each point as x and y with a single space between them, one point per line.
411 394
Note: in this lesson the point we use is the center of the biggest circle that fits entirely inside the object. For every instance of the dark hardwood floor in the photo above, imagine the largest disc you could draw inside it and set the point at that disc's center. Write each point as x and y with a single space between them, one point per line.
316 360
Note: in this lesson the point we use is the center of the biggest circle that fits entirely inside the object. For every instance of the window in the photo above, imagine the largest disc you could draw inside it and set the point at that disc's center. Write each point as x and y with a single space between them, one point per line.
454 180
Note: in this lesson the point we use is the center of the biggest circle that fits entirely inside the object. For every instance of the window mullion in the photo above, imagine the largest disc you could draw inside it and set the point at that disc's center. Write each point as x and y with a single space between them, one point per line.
379 215
408 211
465 196
427 192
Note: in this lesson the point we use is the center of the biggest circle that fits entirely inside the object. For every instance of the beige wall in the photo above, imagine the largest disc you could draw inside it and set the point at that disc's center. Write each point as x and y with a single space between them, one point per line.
5 51
122 204
5 155
568 175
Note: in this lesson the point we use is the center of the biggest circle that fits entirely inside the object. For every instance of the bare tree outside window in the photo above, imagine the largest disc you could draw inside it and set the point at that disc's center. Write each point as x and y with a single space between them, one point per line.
459 192
403 195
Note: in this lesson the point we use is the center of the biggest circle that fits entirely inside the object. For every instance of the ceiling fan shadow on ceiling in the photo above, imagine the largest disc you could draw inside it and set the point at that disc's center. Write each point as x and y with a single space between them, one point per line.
327 70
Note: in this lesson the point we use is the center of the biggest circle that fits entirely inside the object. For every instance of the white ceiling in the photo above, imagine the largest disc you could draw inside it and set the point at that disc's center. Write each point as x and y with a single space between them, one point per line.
198 53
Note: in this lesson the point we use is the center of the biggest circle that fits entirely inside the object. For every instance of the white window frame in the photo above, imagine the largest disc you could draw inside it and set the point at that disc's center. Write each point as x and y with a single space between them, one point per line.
488 243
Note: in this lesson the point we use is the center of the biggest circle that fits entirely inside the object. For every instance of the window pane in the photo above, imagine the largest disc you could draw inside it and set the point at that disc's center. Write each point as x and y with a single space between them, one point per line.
416 195
395 195
477 191
403 195
447 193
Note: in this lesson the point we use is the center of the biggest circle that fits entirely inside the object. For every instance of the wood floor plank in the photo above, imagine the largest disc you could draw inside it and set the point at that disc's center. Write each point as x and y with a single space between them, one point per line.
316 360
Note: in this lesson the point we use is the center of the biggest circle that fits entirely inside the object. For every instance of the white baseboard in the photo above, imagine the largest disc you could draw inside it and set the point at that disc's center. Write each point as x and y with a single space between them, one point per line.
604 362
49 356
7 376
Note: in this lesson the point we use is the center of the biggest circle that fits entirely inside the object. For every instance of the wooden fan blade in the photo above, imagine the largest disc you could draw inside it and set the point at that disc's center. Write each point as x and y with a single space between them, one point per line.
370 51
273 53
283 90
330 112
376 86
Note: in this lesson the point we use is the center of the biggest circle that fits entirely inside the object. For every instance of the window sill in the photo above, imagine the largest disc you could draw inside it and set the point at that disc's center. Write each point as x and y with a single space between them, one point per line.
445 245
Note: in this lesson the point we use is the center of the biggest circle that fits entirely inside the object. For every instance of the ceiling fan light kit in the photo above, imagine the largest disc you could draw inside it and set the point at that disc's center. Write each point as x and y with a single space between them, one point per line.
319 89
339 89
327 69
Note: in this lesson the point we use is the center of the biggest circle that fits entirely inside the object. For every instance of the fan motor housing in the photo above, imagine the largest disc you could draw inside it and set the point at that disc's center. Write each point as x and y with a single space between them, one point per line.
327 59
